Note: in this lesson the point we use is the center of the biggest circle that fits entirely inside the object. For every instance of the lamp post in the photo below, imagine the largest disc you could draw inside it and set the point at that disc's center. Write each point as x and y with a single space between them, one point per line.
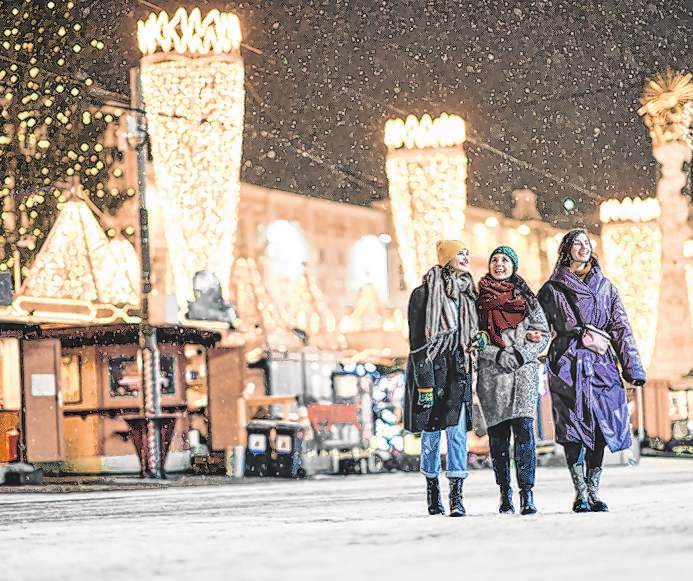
151 438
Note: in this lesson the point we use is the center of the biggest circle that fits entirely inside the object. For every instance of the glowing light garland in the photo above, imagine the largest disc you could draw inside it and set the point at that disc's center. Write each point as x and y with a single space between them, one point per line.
445 131
427 186
633 257
77 262
195 107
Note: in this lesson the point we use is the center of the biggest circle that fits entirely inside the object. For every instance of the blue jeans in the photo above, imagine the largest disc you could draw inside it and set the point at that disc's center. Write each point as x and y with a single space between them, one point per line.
456 462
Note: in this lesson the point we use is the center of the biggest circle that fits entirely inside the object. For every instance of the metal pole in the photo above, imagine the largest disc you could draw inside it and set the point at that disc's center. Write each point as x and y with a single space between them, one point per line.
147 333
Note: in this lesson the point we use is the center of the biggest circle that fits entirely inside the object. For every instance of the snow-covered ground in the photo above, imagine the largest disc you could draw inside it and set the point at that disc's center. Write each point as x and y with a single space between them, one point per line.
353 527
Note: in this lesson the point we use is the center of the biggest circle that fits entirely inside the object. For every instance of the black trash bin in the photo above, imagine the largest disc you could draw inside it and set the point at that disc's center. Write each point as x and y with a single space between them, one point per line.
286 461
260 443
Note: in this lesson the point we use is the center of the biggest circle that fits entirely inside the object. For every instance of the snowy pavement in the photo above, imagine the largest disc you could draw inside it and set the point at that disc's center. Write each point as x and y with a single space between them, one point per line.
353 527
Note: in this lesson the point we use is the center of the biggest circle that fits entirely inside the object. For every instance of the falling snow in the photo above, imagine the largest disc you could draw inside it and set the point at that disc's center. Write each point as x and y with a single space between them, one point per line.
549 90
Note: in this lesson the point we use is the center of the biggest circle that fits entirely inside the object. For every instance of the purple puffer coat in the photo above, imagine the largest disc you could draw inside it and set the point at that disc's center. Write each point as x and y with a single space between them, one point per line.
586 387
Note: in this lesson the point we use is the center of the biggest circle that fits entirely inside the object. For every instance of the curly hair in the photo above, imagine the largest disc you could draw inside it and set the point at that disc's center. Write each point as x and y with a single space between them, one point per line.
564 256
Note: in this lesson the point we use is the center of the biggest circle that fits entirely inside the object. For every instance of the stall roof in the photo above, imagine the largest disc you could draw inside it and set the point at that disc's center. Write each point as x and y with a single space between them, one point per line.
126 334
19 330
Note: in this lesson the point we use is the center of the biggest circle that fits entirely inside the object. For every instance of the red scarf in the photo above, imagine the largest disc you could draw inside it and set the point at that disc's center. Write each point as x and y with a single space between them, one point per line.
498 308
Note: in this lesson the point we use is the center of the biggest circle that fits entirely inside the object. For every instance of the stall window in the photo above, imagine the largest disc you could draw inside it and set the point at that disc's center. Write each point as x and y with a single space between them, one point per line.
125 380
71 378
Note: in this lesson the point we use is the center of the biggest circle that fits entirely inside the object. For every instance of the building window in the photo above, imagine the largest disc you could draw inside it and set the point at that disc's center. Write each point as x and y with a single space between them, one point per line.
71 379
286 248
369 266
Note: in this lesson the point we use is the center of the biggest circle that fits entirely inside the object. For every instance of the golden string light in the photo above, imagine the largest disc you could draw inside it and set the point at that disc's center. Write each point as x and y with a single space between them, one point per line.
50 130
195 107
217 32
427 187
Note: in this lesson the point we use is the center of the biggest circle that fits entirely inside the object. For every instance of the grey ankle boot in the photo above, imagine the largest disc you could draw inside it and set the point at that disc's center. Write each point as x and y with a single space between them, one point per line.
578 476
593 477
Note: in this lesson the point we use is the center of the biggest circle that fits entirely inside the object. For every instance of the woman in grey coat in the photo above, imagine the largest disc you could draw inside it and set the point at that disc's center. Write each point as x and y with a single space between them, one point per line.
508 378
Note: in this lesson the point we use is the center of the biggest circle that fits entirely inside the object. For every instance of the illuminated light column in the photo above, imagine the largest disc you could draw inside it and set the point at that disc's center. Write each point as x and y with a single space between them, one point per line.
192 85
427 172
632 244
664 103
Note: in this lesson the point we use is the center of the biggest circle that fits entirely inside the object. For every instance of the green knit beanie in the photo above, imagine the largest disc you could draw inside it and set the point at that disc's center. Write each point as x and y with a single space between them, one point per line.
509 252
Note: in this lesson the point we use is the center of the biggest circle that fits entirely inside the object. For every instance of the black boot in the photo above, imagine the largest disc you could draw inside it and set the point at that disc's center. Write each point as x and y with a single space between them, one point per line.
525 464
593 476
456 507
577 474
527 501
501 469
435 503
506 501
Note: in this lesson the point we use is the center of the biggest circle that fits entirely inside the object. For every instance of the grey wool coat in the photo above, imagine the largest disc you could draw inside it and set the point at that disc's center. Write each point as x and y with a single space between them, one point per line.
505 394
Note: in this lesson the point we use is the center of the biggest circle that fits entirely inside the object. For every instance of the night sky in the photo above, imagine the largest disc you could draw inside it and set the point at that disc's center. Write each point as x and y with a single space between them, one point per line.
549 90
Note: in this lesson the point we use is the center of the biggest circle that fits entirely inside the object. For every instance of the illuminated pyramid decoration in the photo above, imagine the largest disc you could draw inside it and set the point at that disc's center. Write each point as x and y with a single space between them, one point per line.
371 313
77 262
258 315
374 332
307 310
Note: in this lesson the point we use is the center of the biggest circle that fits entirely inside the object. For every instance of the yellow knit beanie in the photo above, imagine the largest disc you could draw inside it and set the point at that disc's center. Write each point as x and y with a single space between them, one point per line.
446 249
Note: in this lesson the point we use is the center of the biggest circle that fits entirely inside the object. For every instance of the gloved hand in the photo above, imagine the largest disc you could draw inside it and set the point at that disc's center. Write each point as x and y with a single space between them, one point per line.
509 359
426 397
480 340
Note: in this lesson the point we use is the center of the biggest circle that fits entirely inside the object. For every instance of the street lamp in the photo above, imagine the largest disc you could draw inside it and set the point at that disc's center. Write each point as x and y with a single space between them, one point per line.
137 139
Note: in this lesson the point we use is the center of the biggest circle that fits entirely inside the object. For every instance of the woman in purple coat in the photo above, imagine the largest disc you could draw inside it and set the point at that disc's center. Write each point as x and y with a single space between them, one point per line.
589 400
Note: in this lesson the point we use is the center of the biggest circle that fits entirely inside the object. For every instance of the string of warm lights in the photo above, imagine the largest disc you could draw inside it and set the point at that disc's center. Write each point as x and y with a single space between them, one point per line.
306 309
195 109
259 313
52 130
370 313
636 248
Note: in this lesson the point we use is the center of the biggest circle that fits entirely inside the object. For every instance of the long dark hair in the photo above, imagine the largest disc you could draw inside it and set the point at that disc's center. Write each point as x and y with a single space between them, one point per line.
522 288
566 245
